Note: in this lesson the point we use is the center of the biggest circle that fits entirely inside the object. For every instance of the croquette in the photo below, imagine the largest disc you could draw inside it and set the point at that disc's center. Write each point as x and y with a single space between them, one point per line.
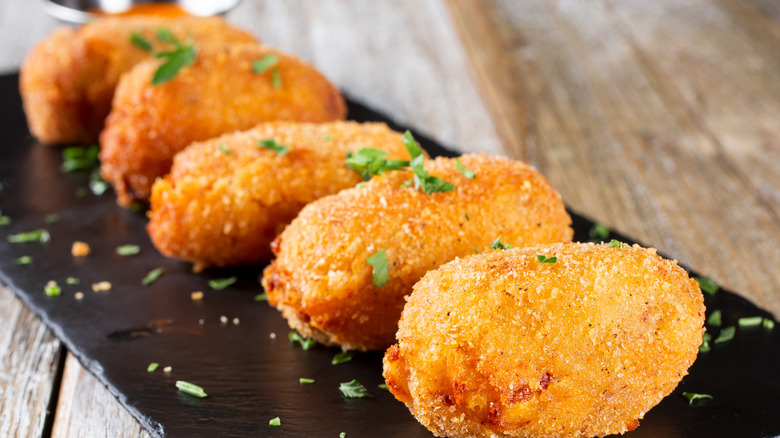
322 282
558 340
227 198
68 80
223 91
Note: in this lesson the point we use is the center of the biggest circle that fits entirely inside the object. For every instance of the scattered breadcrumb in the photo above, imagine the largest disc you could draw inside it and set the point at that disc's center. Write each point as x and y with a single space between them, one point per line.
272 335
235 321
196 296
201 321
78 295
80 249
167 369
102 286
223 319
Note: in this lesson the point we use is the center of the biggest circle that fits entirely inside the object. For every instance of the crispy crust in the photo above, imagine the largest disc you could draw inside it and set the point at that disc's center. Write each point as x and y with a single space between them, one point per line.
220 209
501 345
219 93
68 80
321 276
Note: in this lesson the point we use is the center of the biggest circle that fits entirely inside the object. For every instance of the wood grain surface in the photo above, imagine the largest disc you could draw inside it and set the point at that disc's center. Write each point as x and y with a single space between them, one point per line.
659 119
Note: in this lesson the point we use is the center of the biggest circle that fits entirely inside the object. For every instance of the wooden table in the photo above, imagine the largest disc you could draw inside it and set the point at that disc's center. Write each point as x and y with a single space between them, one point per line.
659 119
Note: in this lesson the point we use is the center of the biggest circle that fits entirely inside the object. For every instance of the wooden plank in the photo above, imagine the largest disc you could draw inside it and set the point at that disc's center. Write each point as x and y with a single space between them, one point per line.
28 369
86 408
658 118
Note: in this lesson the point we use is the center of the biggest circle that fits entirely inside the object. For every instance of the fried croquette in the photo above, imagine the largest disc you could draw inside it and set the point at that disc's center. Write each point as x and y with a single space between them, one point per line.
221 92
503 344
227 198
68 80
322 282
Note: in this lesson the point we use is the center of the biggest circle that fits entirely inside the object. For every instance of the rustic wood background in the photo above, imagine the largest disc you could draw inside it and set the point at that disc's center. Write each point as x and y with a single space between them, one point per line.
659 119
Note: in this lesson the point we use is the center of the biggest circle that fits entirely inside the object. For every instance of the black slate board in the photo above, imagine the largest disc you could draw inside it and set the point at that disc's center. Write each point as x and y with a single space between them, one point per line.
250 377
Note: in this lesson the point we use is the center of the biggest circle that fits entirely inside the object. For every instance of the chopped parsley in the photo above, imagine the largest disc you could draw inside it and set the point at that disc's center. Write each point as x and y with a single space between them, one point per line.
498 244
180 56
693 397
751 321
191 389
343 357
225 149
714 319
353 389
617 244
261 297
51 218
140 42
368 162
707 285
221 283
326 137
261 65
381 272
152 367
382 386
275 421
72 280
725 335
305 343
5 220
305 381
97 184
343 435
272 145
467 173
152 276
80 158
422 179
768 324
598 231
474 247
52 289
24 260
276 78
128 250
705 343
40 235
467 216
544 259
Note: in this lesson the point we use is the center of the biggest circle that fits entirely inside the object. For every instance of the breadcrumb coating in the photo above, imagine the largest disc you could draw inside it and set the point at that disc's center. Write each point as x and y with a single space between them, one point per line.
219 93
322 283
500 344
68 80
227 198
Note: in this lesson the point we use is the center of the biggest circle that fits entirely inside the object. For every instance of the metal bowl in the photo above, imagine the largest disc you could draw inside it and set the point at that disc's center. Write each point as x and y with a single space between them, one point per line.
78 11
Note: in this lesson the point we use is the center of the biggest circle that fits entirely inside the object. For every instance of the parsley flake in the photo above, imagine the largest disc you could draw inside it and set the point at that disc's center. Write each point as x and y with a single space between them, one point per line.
80 158
693 397
272 145
768 324
261 65
175 60
305 381
598 231
751 321
152 276
221 283
40 235
152 367
72 280
467 216
97 184
617 244
343 435
343 357
467 173
714 319
276 78
261 297
225 149
275 421
5 220
52 289
707 285
705 343
544 259
422 179
326 137
191 389
383 386
305 343
474 247
51 218
128 250
140 42
24 260
353 389
498 244
381 271
725 335
368 162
